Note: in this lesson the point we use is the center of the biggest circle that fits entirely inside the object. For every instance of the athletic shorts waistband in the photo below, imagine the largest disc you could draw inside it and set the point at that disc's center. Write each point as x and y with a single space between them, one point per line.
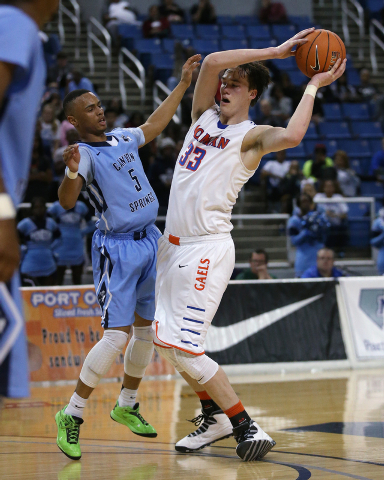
213 237
130 235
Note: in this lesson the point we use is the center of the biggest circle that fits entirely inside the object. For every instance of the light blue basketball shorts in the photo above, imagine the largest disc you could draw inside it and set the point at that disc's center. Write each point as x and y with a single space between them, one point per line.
124 274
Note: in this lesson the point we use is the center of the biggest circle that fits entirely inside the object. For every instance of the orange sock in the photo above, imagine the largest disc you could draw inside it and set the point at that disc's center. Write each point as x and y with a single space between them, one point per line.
203 395
231 412
237 415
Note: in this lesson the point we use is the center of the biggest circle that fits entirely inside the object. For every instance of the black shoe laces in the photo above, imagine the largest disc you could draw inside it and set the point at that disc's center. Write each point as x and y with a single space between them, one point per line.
137 414
73 431
245 433
203 421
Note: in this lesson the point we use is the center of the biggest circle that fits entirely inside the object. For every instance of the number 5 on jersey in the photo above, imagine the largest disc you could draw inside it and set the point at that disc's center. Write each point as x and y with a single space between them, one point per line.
138 187
194 163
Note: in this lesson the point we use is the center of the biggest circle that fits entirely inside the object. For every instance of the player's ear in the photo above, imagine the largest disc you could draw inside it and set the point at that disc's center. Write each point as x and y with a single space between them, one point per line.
252 94
72 120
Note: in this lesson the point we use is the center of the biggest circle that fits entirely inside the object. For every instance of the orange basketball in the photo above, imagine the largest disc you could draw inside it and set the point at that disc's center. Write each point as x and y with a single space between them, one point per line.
320 53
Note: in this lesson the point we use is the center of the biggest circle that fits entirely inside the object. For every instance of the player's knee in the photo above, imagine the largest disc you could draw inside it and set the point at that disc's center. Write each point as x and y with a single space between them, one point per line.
139 351
201 368
170 355
101 357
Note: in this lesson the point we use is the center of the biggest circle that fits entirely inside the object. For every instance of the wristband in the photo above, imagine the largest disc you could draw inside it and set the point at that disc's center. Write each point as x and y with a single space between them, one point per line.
70 174
7 210
311 90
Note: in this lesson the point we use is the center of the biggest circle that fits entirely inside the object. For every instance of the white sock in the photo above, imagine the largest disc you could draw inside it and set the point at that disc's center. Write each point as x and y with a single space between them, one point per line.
76 406
127 397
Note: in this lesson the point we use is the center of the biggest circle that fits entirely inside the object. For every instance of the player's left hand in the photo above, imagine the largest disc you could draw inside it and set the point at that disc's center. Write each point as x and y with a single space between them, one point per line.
188 67
285 50
326 78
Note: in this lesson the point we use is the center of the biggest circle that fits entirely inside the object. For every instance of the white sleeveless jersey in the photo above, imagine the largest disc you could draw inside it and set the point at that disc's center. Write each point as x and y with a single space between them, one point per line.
209 174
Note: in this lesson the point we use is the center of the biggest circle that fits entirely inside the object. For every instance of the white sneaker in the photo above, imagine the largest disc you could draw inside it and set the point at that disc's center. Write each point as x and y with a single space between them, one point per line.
212 428
253 442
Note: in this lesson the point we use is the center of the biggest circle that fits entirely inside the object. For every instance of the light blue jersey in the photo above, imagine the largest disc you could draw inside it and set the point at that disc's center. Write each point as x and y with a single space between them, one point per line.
70 251
118 188
38 237
21 46
377 241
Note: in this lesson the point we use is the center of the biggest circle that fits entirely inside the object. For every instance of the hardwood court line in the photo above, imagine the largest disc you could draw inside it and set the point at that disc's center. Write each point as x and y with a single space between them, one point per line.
350 475
304 474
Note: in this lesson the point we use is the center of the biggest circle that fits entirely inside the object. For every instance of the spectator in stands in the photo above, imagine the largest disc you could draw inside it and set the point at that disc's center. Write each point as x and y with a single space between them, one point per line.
79 81
320 166
348 181
40 173
160 173
117 105
155 26
65 126
72 137
337 213
307 231
271 176
258 264
290 186
281 105
266 117
110 117
377 164
377 239
308 188
49 128
172 12
37 235
340 91
203 12
291 91
119 12
324 267
60 72
70 251
366 90
272 12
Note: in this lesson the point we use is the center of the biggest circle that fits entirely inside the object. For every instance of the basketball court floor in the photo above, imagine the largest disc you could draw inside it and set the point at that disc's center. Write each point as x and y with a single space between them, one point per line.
327 425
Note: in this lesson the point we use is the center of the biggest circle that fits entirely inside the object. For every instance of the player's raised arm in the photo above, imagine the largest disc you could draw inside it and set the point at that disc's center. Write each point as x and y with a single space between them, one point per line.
72 183
164 113
206 86
265 139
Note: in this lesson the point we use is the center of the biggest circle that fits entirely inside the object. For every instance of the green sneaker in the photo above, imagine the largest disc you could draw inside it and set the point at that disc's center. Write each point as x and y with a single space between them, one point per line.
68 429
131 418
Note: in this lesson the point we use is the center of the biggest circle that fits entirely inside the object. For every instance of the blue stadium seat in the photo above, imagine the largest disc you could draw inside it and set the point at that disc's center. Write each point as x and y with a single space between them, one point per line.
246 20
331 146
286 64
301 22
356 111
129 31
205 46
236 32
230 44
356 148
296 152
163 63
148 45
283 32
367 129
358 210
297 78
208 32
332 111
359 232
376 145
353 77
311 132
372 189
360 165
254 43
334 130
224 20
169 45
259 32
374 6
182 30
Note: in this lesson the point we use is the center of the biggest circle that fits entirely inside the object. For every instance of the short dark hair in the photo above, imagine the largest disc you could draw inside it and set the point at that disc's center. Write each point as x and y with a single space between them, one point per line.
260 251
71 97
258 77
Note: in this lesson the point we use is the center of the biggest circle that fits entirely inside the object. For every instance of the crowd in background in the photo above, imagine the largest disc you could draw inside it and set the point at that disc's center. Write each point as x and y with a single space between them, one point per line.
285 186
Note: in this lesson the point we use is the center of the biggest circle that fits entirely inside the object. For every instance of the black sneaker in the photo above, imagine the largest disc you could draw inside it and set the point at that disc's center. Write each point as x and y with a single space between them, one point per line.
253 442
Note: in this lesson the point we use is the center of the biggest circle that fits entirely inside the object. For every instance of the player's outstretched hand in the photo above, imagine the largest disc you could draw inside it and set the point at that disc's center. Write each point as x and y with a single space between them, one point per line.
326 78
188 67
9 249
71 157
285 50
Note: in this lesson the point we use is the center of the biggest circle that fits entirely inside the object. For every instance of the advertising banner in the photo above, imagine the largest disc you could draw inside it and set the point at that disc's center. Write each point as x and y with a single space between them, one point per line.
364 301
276 321
62 325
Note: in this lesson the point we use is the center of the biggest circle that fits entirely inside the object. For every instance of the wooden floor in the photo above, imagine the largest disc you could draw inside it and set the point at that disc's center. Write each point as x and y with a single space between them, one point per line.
348 403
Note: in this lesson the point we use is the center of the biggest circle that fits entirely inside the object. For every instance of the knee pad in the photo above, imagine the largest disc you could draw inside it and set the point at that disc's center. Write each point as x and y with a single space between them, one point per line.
139 352
101 357
169 355
201 368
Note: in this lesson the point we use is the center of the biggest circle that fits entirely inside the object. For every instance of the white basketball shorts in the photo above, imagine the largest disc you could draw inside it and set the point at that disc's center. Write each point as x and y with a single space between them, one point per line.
192 275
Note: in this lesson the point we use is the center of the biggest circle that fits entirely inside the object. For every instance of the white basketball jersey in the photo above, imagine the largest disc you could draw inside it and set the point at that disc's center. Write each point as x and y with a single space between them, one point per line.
208 177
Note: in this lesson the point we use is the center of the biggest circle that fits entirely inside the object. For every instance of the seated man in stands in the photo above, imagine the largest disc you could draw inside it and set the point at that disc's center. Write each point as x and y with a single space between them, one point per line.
258 270
271 176
272 12
324 266
321 166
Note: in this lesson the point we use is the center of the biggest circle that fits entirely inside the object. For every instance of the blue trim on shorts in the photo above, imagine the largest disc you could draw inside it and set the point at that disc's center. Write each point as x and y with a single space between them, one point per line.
195 308
194 344
191 331
191 320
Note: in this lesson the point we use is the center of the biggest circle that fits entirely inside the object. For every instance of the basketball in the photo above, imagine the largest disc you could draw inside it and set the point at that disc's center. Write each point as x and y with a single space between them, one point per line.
320 53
